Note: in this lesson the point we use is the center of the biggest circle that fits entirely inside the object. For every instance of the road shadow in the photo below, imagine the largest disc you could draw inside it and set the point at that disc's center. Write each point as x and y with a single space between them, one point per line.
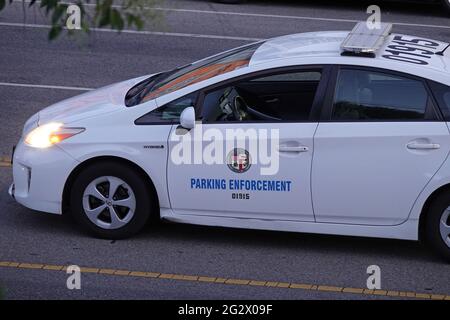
185 234
312 243
16 217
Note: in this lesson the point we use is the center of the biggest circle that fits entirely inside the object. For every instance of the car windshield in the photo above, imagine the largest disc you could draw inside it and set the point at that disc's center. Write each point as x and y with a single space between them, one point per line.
169 81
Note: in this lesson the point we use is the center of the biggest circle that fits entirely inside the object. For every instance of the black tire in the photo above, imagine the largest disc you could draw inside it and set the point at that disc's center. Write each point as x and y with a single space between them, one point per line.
446 4
142 193
432 234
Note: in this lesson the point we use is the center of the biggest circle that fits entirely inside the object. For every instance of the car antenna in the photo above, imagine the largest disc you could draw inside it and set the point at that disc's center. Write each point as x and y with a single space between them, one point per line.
441 53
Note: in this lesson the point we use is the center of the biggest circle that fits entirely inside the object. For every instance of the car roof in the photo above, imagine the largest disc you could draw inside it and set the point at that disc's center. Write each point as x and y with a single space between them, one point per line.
300 45
328 44
323 48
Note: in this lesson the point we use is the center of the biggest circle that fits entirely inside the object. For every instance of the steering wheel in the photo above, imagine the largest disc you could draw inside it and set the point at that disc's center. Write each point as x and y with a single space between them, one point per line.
239 108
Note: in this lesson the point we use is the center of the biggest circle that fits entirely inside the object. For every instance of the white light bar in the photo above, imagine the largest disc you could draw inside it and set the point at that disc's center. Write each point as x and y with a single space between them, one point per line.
365 41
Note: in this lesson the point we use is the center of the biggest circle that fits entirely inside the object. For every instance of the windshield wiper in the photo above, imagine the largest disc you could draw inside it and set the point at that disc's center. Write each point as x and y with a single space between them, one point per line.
156 80
139 91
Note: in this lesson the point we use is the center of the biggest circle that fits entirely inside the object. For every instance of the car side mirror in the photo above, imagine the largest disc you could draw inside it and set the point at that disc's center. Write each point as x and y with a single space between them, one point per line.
187 118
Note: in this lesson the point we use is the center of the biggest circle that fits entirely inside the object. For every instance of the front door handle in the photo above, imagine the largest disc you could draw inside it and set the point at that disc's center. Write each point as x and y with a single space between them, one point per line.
423 146
293 149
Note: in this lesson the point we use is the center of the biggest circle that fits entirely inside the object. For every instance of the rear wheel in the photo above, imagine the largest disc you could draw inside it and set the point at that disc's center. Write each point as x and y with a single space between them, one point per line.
446 4
437 227
111 200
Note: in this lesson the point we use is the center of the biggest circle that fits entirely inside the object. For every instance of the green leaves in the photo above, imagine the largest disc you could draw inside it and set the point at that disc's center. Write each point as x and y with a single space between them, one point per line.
134 20
138 22
54 32
98 14
116 20
49 5
58 13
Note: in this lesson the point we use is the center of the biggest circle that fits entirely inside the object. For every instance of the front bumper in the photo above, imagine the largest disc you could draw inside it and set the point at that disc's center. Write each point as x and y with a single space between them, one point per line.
39 177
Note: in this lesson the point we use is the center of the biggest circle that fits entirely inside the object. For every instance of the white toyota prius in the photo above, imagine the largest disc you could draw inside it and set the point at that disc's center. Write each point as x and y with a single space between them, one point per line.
327 132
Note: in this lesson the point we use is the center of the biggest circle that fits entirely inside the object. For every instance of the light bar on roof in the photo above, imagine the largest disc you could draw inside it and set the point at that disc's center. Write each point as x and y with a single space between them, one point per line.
364 41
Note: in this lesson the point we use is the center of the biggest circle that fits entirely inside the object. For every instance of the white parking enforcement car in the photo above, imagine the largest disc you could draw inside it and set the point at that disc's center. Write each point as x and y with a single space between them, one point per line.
354 126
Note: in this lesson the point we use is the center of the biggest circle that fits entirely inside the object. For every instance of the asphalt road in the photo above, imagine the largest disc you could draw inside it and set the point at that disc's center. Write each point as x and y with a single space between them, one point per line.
187 30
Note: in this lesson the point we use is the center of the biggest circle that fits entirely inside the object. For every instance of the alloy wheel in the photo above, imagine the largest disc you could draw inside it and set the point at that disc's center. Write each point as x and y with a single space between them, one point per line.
444 226
109 202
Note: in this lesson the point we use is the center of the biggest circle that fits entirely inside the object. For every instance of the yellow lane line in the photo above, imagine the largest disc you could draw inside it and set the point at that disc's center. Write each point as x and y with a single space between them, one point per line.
230 281
5 161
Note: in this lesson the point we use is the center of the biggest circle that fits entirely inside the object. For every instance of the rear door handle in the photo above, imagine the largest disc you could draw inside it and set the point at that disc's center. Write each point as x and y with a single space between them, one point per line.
293 149
423 146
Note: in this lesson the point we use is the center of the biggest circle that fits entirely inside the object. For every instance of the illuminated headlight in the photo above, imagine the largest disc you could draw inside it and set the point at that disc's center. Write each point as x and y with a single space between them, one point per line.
49 134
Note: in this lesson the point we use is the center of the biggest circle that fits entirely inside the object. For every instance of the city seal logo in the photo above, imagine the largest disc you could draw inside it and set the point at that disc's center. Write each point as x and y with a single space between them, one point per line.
238 160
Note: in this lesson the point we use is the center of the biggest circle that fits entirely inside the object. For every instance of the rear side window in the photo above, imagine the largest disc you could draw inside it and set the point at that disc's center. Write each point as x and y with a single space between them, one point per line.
446 99
442 94
363 95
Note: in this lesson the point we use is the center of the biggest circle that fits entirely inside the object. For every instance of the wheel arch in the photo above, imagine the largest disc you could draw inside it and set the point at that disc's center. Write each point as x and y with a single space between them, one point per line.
423 214
65 206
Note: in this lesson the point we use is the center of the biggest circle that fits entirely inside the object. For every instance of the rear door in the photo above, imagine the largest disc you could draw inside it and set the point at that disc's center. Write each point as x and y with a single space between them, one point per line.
381 142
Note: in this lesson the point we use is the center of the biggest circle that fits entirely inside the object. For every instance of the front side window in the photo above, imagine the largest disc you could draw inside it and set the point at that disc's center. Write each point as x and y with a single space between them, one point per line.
287 96
369 96
170 112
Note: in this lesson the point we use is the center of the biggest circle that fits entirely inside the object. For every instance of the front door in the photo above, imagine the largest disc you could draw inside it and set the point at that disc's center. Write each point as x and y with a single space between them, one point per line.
251 155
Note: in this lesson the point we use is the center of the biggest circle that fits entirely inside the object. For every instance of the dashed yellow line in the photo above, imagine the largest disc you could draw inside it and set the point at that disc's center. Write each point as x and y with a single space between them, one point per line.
230 281
5 161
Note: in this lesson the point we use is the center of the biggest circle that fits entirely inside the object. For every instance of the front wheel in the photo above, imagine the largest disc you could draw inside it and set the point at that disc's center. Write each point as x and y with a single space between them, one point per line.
111 200
437 227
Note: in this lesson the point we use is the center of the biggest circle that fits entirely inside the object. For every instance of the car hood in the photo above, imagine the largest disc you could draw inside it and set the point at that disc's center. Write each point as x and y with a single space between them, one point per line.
90 104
